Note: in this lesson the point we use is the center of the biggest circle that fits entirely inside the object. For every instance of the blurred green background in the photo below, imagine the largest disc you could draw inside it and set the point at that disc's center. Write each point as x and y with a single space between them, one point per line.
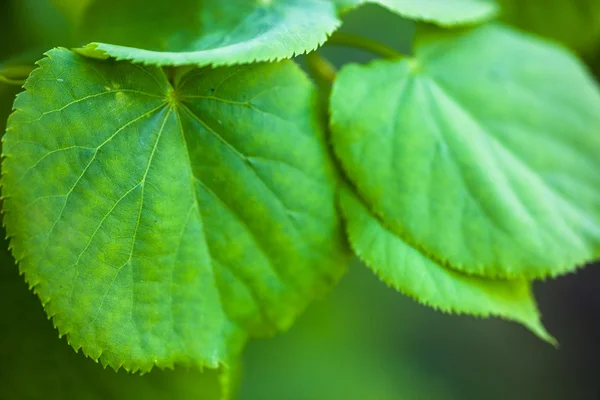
364 341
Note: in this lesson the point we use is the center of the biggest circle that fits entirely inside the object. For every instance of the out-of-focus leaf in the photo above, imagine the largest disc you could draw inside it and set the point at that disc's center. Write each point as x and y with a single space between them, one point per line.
73 9
573 23
203 32
442 12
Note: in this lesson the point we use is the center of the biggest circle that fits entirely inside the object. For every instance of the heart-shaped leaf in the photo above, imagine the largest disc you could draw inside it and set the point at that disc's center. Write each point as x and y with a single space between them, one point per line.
481 150
162 217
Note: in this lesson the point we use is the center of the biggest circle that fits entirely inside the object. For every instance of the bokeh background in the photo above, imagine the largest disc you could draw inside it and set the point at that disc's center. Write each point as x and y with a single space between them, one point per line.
364 341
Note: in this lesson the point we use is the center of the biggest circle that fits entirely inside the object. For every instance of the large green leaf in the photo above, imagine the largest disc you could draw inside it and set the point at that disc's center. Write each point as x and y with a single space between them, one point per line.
417 274
442 12
36 364
574 23
482 151
206 32
159 219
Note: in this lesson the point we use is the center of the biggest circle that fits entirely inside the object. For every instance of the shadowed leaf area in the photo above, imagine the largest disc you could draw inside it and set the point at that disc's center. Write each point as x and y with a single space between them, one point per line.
573 23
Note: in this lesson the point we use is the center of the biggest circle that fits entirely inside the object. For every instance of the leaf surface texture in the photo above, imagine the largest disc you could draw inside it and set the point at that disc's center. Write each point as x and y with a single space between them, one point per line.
467 151
162 219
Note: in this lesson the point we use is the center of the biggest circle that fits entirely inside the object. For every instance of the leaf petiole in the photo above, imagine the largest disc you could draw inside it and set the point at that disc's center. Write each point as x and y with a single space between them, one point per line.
359 42
14 74
9 81
321 69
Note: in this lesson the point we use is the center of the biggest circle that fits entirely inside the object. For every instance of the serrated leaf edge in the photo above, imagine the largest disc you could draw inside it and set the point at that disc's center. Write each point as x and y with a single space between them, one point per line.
167 363
101 50
537 330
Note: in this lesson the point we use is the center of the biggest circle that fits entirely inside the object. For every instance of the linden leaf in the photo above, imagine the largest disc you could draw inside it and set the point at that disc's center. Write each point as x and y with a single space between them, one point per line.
442 12
573 23
482 151
40 366
418 275
160 219
203 32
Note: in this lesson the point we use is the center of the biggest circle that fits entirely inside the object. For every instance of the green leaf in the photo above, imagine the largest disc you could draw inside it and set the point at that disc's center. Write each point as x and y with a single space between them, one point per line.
161 217
417 274
206 32
573 23
38 365
442 12
482 151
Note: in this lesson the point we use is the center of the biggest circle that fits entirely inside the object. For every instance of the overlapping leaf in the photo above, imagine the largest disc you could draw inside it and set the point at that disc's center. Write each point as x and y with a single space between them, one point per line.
417 274
481 153
158 219
204 32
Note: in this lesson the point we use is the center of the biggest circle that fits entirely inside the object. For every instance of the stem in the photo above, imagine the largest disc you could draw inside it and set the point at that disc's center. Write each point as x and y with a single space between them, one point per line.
9 81
15 74
321 69
370 45
323 73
